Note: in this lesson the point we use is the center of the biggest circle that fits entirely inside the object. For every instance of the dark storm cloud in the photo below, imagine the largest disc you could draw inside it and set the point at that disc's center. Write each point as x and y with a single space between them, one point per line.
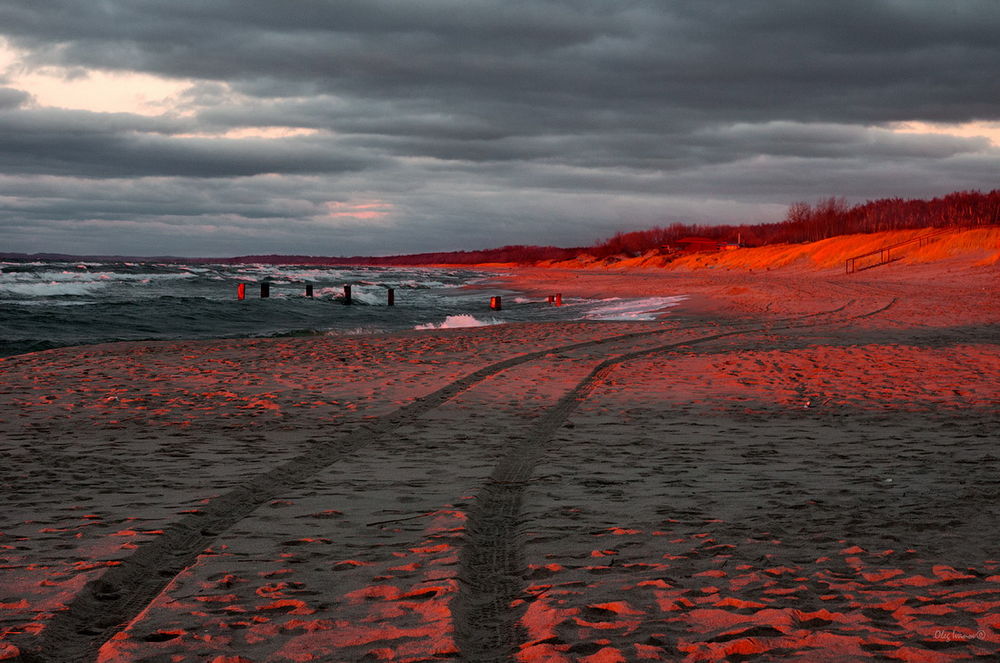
858 60
470 113
11 98
115 145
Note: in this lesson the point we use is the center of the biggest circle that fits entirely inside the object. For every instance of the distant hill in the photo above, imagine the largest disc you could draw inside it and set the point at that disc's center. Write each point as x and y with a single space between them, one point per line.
69 257
520 254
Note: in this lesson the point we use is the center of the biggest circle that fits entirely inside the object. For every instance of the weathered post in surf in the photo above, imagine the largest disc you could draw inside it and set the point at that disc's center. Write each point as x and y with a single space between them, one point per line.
347 294
552 299
391 297
241 291
558 299
265 290
309 289
495 304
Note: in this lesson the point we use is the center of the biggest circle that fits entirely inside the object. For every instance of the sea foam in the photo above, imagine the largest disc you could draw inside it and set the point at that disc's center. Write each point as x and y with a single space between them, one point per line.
631 309
458 321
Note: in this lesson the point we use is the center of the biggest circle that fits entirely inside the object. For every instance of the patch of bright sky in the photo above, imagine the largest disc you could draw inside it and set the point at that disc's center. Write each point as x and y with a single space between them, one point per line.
101 91
90 89
988 130
254 132
370 211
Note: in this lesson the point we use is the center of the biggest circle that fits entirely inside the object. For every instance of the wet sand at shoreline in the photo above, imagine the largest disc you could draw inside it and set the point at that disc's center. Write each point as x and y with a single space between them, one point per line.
798 466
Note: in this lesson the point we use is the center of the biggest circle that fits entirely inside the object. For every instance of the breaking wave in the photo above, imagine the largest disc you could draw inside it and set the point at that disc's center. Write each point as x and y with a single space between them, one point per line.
458 321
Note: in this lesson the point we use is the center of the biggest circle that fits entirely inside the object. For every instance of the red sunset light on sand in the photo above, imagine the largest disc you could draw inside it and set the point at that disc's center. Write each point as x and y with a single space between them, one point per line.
697 489
362 331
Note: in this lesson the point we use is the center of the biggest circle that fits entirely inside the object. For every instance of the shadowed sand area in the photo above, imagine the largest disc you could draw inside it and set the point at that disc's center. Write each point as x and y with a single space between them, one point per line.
788 466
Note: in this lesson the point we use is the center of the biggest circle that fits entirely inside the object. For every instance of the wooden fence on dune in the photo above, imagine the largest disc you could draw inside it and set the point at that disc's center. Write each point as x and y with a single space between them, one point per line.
891 253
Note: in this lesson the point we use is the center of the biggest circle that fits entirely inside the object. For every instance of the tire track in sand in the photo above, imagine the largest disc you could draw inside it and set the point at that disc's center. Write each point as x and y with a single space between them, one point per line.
491 571
107 604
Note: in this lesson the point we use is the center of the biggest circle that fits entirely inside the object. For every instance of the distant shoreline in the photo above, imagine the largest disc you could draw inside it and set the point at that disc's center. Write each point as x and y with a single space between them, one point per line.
822 254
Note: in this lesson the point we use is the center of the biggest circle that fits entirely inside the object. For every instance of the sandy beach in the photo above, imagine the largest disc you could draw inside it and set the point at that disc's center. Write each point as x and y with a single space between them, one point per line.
793 465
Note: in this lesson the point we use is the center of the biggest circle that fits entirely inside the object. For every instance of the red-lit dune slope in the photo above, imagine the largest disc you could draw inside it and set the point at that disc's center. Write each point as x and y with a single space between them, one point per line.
978 246
795 464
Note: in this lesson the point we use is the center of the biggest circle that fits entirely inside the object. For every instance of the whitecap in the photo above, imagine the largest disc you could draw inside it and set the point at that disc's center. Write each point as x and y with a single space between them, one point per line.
616 308
459 321
50 289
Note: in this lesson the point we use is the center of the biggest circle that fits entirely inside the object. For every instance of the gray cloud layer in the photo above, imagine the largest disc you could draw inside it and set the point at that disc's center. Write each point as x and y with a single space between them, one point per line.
484 122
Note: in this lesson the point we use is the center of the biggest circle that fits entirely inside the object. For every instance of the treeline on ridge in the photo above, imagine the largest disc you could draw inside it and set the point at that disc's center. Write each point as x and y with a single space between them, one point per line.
803 222
827 218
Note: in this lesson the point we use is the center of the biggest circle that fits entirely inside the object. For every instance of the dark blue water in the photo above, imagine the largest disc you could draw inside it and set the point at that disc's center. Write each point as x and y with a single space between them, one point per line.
53 304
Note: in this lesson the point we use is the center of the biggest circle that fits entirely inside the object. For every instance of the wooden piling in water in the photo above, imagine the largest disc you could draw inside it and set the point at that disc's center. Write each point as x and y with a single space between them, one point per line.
347 294
495 304
391 297
265 290
241 291
309 289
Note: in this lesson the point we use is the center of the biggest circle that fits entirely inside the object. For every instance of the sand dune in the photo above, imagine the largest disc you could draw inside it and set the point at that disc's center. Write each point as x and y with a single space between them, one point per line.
786 466
980 246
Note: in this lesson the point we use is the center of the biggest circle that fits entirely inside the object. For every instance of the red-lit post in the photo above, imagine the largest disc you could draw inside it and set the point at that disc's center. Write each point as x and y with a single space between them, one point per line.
495 304
552 299
558 299
241 291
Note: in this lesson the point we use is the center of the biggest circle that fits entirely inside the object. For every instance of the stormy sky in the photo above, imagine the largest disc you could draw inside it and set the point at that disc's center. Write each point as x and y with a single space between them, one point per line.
344 127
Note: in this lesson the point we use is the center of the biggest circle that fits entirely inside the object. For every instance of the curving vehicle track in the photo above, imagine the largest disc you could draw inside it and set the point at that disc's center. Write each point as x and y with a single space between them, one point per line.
490 571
